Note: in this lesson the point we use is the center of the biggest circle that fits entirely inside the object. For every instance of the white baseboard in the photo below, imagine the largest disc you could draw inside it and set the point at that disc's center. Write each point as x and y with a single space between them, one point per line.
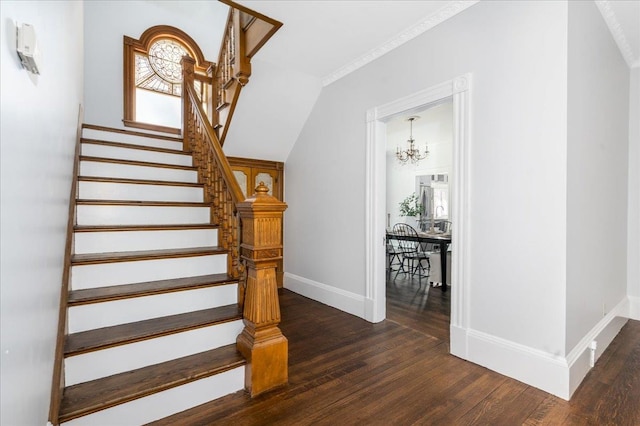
555 374
531 366
458 343
603 334
351 303
634 308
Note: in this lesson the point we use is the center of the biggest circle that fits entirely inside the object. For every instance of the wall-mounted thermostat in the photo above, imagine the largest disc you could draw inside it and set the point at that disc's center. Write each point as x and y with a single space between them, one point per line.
27 47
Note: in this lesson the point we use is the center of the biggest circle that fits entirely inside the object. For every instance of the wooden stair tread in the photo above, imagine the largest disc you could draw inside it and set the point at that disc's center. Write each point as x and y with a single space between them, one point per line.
117 292
106 337
135 162
138 181
117 228
124 256
132 133
96 395
142 203
135 146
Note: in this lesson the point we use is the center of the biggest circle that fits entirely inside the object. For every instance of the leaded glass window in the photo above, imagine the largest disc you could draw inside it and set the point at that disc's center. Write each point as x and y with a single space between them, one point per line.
160 69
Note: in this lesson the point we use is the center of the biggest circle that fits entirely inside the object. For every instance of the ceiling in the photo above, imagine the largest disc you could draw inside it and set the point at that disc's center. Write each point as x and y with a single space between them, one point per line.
319 37
324 40
328 39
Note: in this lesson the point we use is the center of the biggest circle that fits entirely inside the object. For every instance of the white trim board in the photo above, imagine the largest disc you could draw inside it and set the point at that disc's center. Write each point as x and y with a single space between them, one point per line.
557 375
449 10
634 308
610 18
554 374
336 298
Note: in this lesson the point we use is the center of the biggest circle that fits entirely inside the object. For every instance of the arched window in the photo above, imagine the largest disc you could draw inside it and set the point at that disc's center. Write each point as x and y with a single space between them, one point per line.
153 77
160 70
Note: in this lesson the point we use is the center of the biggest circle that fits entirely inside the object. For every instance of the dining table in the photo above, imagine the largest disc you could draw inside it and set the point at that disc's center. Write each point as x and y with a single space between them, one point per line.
442 240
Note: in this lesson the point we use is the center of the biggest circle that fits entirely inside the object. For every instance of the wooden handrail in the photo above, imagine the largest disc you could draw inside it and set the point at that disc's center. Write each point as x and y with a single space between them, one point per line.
214 144
221 188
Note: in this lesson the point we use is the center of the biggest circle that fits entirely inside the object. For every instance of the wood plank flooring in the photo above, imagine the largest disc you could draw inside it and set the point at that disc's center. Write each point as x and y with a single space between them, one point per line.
427 312
346 371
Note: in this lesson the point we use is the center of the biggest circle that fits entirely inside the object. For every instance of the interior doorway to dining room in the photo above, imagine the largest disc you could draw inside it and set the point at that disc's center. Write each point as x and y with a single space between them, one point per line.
422 183
458 89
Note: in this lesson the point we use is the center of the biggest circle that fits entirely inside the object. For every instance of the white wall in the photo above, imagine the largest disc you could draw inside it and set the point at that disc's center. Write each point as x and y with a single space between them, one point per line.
435 127
271 111
39 118
516 52
203 21
597 137
633 230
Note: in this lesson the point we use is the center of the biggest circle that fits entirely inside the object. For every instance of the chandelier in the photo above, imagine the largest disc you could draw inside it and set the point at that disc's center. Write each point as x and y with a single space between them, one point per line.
411 153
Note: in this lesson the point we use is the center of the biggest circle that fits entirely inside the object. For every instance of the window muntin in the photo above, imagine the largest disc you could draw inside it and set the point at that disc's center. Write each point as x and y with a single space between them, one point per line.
159 70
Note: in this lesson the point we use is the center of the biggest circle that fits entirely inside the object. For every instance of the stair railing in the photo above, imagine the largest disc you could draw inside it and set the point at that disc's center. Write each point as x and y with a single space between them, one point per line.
246 32
251 231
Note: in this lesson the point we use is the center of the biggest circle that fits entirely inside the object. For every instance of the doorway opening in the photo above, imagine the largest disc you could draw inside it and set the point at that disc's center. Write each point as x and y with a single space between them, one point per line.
420 298
458 90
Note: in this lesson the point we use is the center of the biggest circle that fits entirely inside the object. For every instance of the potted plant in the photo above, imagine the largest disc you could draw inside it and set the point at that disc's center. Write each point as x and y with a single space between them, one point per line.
411 206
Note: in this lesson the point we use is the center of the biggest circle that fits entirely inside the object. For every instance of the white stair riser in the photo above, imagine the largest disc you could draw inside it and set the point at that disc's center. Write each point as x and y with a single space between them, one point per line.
138 192
104 242
106 314
132 139
106 362
140 215
107 274
163 404
115 152
129 171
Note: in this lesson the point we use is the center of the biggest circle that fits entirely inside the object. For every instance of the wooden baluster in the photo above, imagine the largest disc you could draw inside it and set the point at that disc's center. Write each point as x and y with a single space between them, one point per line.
212 94
261 341
220 206
188 71
208 183
236 267
215 197
242 64
197 150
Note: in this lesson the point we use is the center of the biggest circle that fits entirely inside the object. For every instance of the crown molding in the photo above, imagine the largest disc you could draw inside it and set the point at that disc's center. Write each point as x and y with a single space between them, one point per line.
617 32
425 24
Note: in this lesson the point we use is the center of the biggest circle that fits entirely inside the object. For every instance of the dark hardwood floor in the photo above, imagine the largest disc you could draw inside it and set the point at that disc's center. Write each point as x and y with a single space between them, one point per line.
419 306
346 371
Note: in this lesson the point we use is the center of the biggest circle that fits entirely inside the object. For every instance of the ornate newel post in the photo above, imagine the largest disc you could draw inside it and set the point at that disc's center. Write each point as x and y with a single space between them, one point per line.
261 342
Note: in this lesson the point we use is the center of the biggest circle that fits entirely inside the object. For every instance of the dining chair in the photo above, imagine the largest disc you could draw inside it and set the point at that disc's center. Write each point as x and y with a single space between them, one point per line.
444 226
411 252
394 255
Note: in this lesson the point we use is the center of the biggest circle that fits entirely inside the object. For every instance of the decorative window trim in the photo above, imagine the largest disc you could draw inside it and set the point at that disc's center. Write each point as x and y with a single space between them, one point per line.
132 47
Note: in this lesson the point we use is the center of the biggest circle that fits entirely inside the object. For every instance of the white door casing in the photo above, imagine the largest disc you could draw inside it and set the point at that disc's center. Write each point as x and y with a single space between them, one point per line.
459 90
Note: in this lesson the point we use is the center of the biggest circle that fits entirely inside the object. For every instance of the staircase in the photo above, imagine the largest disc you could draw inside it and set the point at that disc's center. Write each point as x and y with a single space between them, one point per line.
152 315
